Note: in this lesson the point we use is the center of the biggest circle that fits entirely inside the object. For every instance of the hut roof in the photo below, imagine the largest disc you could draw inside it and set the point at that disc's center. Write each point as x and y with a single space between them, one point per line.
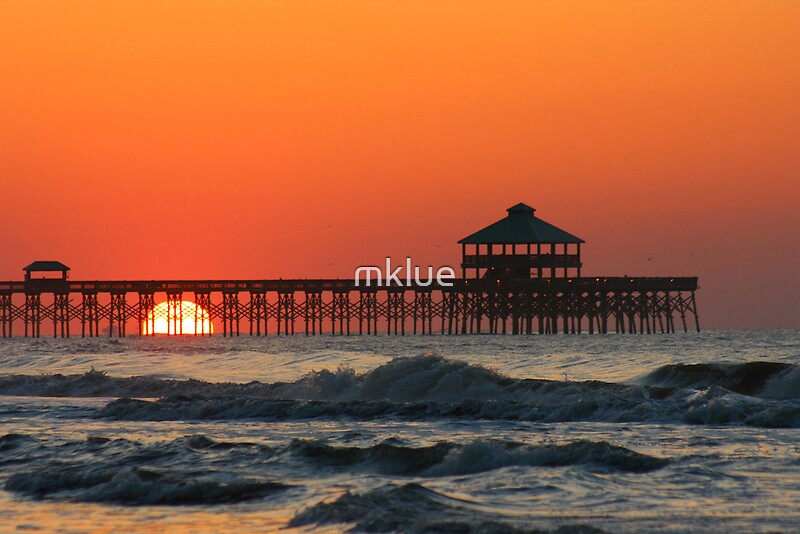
520 226
38 266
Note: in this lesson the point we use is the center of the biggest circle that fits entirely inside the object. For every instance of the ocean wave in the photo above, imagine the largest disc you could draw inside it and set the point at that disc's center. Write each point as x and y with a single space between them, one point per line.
198 469
450 459
414 508
406 379
130 473
98 384
756 379
12 442
713 406
136 486
422 378
183 407
422 387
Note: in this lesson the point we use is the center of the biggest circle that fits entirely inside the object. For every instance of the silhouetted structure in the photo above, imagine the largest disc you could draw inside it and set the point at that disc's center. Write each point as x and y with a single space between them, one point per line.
522 277
520 246
46 267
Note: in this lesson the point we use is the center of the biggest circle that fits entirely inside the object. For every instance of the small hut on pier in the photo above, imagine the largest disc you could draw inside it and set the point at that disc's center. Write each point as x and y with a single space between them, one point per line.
46 267
46 275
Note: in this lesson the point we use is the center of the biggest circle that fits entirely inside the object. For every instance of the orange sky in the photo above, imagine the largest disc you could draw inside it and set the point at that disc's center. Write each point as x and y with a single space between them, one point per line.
247 139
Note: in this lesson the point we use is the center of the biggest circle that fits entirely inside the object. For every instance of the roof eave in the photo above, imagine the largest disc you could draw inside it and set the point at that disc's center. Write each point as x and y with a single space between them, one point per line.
41 265
468 241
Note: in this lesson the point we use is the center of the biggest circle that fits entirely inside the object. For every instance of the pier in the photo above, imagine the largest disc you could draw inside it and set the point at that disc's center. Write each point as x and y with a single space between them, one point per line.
519 275
260 307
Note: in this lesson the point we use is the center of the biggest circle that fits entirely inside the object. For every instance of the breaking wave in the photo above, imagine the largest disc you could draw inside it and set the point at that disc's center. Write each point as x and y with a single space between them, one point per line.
711 408
402 380
758 379
422 387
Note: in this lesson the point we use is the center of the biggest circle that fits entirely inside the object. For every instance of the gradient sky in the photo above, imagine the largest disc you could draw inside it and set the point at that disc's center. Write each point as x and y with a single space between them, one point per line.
247 139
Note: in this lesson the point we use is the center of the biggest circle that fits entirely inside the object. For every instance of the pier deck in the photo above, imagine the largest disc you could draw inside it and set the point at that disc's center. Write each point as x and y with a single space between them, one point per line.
340 306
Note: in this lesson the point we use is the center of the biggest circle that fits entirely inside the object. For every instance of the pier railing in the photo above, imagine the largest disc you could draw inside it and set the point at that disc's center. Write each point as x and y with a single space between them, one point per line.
545 261
338 284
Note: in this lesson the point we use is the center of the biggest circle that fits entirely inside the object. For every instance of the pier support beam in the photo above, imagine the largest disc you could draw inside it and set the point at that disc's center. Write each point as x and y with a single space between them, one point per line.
202 301
6 314
422 310
694 312
230 314
175 312
118 314
451 311
33 314
313 312
286 312
145 316
340 311
368 312
257 312
61 314
395 311
90 315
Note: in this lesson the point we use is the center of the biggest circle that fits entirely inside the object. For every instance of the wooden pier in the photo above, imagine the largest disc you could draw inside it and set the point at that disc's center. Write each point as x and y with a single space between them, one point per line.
520 275
284 307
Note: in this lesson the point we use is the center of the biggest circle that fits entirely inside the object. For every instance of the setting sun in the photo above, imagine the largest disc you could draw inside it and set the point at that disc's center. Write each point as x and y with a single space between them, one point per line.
180 318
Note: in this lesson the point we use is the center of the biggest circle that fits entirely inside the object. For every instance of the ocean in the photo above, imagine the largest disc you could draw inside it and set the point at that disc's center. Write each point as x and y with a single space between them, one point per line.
615 433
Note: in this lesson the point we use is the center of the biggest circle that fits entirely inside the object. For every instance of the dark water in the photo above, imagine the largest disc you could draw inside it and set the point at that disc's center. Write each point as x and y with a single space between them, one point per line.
679 433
